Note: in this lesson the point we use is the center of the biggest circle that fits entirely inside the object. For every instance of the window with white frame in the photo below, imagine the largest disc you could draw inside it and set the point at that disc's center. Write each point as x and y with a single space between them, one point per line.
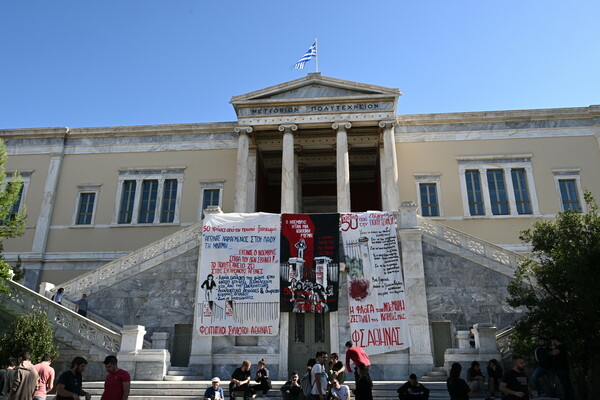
211 194
20 202
497 185
569 189
149 196
428 194
85 206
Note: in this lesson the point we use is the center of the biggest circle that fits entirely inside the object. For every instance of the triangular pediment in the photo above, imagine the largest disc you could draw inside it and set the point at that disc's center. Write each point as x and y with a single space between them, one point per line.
315 86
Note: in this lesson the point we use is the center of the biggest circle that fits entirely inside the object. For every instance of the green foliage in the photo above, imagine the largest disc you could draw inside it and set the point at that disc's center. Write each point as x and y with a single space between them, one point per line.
11 224
558 285
33 333
18 270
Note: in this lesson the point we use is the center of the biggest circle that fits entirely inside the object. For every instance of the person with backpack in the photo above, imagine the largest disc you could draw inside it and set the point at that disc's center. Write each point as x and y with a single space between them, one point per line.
318 377
306 381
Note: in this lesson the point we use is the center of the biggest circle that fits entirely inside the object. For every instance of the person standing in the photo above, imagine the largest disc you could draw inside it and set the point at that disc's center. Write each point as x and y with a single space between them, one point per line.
543 359
7 376
45 377
514 382
58 296
26 379
358 356
82 305
364 384
214 392
70 383
560 361
118 381
319 377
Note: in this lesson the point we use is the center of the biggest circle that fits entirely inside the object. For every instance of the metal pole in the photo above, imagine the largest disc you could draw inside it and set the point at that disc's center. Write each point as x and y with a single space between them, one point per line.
317 56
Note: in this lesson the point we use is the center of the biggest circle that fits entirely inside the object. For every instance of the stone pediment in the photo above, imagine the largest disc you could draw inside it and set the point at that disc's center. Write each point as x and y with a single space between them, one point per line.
314 89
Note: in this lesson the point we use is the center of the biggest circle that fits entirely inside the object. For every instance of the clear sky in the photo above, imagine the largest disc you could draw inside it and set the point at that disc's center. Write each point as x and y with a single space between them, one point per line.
81 63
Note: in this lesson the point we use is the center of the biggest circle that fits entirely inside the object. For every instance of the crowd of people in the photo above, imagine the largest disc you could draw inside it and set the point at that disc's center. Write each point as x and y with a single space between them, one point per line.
21 380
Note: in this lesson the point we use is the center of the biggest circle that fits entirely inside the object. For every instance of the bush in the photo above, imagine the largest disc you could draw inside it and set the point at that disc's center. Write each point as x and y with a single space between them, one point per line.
33 333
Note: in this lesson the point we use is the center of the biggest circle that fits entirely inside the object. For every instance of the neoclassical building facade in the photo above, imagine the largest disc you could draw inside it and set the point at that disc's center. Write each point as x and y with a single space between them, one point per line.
94 196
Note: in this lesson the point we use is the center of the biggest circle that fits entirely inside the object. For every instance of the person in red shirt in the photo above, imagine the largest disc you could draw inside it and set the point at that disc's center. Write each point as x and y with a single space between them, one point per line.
358 356
117 382
45 377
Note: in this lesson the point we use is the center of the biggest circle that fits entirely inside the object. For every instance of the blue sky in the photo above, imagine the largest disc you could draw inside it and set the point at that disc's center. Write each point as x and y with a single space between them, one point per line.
81 63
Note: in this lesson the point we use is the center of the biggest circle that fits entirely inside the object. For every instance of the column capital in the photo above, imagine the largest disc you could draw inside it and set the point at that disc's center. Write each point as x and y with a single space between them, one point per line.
243 129
387 124
288 128
341 124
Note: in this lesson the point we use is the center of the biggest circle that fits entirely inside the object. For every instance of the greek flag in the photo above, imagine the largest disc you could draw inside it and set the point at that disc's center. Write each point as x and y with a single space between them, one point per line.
310 53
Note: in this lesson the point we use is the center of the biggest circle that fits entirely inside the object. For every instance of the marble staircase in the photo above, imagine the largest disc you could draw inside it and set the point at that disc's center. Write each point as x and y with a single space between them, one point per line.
194 390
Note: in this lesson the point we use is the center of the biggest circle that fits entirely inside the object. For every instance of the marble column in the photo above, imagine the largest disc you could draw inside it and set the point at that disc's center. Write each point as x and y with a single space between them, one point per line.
391 165
342 166
382 178
241 184
410 235
251 191
298 178
288 185
288 199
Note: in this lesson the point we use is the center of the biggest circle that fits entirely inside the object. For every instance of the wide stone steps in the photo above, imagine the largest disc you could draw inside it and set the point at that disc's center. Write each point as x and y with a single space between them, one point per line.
194 390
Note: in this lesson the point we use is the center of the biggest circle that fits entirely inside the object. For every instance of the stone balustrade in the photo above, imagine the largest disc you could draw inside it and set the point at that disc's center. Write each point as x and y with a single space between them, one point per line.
21 300
134 263
470 244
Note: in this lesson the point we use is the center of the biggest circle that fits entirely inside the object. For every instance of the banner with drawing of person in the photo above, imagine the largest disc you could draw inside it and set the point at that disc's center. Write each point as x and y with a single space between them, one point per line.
375 282
239 271
309 262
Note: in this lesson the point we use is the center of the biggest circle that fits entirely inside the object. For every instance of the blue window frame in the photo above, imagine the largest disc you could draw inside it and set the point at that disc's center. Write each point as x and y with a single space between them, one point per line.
169 201
568 194
498 195
127 202
474 193
522 200
85 210
148 201
429 200
210 197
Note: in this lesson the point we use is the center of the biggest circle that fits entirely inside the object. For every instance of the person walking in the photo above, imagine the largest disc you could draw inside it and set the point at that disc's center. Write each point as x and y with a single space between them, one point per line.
26 379
560 362
82 305
514 382
45 377
117 383
58 296
358 356
543 358
7 376
70 383
364 384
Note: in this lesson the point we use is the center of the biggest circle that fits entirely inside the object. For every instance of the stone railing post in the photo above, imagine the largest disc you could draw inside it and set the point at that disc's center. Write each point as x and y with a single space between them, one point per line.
159 340
462 337
485 337
132 338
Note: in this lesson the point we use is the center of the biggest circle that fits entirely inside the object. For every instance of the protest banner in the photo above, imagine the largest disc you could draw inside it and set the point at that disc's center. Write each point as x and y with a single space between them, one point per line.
309 262
240 260
375 282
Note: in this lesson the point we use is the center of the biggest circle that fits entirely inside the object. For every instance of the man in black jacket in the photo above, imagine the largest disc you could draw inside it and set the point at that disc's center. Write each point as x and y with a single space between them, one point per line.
543 359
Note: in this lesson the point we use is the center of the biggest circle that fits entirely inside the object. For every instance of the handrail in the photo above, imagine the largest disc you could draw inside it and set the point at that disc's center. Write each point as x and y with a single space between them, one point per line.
142 258
470 243
24 301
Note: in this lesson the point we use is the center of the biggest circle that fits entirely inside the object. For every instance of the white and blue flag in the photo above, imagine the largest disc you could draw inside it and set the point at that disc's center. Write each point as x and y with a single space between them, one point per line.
310 53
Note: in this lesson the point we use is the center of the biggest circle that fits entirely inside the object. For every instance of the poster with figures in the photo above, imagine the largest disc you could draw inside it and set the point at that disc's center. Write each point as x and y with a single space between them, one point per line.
309 262
375 282
239 271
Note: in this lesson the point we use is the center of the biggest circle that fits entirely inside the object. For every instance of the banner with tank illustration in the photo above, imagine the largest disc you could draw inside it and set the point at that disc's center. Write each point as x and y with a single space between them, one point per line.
375 282
309 262
239 271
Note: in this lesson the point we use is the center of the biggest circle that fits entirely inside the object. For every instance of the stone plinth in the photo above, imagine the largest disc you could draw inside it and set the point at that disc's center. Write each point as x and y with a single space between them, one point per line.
462 337
132 338
146 365
159 340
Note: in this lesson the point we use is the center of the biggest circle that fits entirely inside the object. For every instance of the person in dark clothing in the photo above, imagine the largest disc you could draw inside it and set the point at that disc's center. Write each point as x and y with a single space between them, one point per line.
7 376
543 359
240 381
413 389
292 390
560 363
457 387
514 382
494 371
364 384
69 384
262 378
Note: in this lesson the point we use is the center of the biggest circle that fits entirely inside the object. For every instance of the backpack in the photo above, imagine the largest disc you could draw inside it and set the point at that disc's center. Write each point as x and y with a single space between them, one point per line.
306 384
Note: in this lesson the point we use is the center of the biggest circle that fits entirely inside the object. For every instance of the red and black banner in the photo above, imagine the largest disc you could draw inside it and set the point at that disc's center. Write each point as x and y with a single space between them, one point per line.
309 262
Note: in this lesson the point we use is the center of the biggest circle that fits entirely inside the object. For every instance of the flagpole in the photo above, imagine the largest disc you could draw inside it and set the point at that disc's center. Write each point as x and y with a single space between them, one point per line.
317 56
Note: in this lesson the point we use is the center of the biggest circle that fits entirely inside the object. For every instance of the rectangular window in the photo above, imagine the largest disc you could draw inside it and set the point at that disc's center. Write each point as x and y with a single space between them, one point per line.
148 202
474 193
429 200
17 205
522 201
127 202
85 210
210 197
169 201
568 194
497 190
